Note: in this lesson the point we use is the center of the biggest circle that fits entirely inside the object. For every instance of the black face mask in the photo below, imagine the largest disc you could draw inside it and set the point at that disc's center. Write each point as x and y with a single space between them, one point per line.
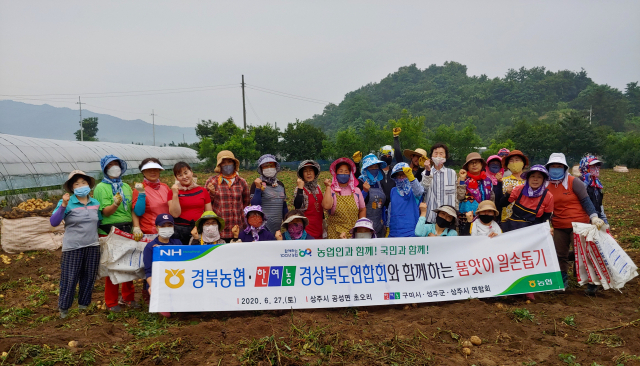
387 159
486 218
442 222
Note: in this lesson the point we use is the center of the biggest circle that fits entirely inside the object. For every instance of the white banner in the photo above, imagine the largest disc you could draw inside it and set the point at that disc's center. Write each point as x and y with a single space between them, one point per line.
352 272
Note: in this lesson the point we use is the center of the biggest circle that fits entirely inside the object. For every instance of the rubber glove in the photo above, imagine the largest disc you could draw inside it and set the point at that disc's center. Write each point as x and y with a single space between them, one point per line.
137 233
598 222
409 173
357 157
396 131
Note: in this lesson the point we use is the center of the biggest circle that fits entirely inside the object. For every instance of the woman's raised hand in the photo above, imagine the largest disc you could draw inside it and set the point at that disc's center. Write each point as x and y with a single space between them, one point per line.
211 188
327 182
300 183
462 175
278 235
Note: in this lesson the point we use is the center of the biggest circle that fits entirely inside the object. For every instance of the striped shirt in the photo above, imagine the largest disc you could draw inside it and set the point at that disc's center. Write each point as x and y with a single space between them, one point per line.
439 189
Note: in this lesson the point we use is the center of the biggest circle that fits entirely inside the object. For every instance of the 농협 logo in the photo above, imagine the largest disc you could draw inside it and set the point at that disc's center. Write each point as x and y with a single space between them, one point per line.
305 252
171 273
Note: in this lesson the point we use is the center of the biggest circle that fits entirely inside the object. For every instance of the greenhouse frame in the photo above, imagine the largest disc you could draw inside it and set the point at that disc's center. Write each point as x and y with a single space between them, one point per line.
28 162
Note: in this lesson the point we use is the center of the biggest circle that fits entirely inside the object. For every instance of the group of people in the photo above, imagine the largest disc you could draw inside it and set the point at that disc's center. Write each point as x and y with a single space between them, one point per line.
368 196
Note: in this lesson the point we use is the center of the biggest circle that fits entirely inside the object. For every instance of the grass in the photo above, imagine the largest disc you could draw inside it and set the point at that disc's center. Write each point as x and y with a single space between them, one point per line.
520 315
570 320
568 359
143 324
607 340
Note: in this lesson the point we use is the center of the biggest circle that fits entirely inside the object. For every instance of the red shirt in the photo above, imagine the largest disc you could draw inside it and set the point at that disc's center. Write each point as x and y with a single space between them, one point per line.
155 204
191 203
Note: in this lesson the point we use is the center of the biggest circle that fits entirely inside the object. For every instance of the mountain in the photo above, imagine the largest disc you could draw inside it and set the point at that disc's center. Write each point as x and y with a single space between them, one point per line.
45 121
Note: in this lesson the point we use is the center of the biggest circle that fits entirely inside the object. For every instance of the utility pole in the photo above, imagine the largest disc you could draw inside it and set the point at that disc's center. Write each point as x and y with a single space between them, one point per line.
590 111
81 126
244 110
153 116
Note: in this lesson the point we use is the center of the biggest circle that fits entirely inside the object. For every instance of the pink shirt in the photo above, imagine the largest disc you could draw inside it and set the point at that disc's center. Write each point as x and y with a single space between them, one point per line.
346 191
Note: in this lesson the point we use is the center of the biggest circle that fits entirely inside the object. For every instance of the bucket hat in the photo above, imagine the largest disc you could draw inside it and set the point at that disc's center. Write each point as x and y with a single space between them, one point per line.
505 160
474 156
363 222
226 154
312 163
69 189
450 210
538 168
206 216
557 158
487 205
409 153
372 159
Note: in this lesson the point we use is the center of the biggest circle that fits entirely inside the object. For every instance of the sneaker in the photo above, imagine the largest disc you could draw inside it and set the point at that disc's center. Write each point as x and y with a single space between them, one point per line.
64 314
82 307
591 290
530 297
165 314
132 304
115 309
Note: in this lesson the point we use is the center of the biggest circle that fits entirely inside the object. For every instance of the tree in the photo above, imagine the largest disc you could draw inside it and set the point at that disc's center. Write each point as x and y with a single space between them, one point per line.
578 136
623 149
496 146
609 105
632 93
347 142
90 130
243 147
412 135
459 142
219 133
302 141
266 138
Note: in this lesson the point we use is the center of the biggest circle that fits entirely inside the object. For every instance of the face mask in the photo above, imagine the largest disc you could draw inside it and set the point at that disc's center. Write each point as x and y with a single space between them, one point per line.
363 235
556 173
82 191
114 171
228 169
438 161
255 221
515 167
442 222
165 232
494 168
485 218
295 230
594 171
387 159
210 233
269 172
374 172
343 178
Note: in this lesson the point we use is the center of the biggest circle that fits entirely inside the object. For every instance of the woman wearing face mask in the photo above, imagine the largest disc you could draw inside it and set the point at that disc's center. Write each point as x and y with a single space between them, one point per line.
441 184
164 226
403 213
590 176
229 193
386 154
80 246
254 227
445 222
494 169
342 198
268 192
363 229
293 227
484 224
115 199
516 161
571 203
209 226
370 183
308 198
532 203
478 188
187 202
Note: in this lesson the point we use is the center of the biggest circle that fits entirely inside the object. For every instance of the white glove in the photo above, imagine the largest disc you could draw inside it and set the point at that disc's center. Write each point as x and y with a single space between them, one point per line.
139 187
137 233
598 222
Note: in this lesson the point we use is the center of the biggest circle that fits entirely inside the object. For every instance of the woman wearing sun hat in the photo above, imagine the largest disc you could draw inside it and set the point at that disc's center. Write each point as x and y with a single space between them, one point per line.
445 222
209 226
531 203
269 192
308 198
370 183
152 194
342 198
80 245
516 162
478 188
293 227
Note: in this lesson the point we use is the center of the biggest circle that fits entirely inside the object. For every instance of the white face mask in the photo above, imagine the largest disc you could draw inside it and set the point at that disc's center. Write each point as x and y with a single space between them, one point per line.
210 233
363 235
114 171
165 232
438 160
269 172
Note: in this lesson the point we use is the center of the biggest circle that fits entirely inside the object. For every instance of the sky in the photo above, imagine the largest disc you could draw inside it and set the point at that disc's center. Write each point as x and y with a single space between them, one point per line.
184 59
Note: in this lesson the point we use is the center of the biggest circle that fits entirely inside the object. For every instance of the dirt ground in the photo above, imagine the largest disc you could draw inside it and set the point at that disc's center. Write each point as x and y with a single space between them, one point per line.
556 329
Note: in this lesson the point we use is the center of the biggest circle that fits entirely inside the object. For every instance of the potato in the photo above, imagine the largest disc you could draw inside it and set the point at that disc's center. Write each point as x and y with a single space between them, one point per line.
476 340
467 344
466 351
74 344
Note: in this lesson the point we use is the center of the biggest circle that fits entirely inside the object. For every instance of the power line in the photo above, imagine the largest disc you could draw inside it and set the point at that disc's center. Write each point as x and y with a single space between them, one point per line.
60 99
120 92
287 96
292 95
253 110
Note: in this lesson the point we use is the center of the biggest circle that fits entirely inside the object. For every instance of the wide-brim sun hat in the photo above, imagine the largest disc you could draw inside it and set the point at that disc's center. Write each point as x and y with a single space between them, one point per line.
505 160
409 153
226 154
90 179
365 223
372 159
537 168
449 210
206 216
557 158
474 156
487 205
306 163
267 158
292 215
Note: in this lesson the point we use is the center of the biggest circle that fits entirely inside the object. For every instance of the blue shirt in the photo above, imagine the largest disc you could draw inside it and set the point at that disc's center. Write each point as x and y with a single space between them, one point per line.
80 223
147 254
424 229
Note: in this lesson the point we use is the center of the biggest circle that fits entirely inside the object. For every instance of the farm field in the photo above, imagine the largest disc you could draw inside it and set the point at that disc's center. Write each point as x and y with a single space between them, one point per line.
556 329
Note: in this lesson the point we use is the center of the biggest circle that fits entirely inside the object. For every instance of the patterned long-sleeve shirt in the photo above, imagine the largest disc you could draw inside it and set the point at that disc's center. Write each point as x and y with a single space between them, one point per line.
228 201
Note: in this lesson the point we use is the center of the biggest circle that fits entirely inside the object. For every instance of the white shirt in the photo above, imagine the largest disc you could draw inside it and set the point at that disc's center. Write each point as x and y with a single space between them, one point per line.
480 229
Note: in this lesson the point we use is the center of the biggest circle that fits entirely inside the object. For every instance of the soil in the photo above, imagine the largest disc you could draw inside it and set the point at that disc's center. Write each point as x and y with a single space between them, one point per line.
556 329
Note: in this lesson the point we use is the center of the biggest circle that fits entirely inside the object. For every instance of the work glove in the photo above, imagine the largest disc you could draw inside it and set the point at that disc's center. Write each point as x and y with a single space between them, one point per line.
396 131
117 199
598 222
409 173
137 233
422 161
357 157
139 187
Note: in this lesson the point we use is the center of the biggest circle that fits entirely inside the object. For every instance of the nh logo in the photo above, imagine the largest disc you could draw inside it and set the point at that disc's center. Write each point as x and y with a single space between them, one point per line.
170 252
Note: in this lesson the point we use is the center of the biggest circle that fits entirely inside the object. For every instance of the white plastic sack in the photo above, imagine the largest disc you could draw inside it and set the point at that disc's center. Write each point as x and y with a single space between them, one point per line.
600 259
30 233
121 257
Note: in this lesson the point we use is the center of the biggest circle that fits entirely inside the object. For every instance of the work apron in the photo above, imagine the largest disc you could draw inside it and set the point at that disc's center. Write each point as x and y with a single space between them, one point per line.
522 216
343 218
315 214
377 199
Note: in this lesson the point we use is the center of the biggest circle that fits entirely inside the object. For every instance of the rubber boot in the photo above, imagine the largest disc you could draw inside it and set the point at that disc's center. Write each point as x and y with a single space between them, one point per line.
591 290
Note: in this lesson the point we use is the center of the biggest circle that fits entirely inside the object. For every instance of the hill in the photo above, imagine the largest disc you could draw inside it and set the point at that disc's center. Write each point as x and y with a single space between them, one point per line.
45 121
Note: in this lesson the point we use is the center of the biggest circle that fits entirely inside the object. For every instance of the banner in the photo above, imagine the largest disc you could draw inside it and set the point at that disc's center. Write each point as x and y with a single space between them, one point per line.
352 272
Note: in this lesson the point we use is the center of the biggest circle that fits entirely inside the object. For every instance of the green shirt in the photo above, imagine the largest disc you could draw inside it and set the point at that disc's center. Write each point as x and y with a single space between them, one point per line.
104 195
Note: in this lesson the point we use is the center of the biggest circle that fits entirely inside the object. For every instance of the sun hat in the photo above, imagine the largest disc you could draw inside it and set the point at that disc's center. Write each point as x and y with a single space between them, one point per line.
163 219
206 216
487 205
91 180
372 159
474 156
386 150
306 163
557 158
449 210
409 153
267 158
226 154
503 152
151 165
505 160
537 168
292 215
363 222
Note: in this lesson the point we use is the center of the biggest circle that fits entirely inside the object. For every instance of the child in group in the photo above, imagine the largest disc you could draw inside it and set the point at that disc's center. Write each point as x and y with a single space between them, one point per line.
484 223
294 227
255 227
363 229
403 213
164 225
445 222
209 226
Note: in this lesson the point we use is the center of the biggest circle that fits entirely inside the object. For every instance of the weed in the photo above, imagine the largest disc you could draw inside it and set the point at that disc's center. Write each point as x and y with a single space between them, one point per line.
570 320
50 355
530 363
158 351
8 285
623 358
608 340
142 324
568 359
520 315
14 315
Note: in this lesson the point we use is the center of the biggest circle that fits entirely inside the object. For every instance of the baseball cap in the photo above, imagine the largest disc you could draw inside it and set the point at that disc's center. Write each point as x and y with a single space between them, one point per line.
163 219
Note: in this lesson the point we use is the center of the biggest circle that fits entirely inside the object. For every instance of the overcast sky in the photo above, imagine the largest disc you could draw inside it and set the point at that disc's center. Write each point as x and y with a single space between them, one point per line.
320 50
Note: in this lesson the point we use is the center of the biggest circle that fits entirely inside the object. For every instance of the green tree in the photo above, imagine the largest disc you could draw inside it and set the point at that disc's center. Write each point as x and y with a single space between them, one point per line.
623 149
219 133
90 133
460 142
413 131
266 137
242 145
347 142
578 136
632 93
537 140
302 141
609 105
496 146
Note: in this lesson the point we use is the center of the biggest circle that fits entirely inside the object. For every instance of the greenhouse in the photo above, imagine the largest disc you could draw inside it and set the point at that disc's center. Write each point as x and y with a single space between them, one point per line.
27 162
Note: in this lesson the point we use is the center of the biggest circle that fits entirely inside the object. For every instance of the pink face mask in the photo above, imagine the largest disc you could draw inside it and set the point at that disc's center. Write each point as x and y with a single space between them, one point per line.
295 230
594 171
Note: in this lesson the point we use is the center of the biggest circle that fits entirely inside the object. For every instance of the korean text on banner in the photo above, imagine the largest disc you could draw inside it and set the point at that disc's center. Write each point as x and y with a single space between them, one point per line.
352 272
